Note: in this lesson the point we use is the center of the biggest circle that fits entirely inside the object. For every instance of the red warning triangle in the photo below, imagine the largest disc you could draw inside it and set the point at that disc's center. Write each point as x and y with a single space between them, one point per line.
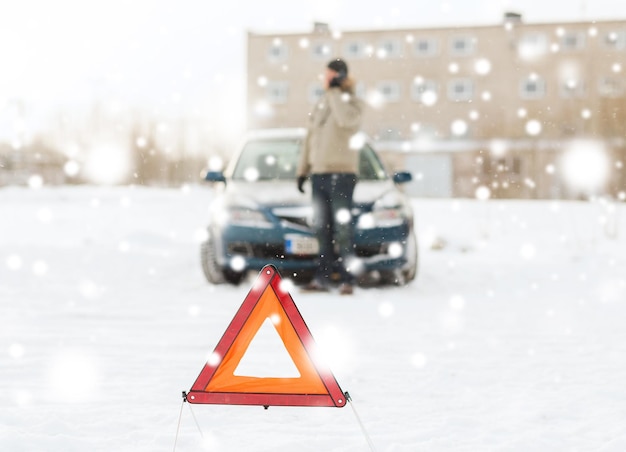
219 383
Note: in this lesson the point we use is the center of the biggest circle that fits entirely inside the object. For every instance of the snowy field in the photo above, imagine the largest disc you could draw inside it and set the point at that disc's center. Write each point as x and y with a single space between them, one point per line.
512 338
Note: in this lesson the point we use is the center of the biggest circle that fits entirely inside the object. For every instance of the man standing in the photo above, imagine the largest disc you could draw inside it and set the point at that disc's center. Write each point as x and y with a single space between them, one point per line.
332 166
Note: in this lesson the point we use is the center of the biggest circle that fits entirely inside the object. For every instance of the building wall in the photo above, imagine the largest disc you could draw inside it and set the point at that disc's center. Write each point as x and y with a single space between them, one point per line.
521 84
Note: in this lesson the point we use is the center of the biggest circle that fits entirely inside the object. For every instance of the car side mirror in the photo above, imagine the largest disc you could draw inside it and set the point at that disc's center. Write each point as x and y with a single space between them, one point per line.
402 177
215 176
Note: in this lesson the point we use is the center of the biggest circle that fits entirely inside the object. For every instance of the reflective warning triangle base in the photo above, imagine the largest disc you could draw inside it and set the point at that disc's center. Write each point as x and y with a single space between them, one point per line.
218 382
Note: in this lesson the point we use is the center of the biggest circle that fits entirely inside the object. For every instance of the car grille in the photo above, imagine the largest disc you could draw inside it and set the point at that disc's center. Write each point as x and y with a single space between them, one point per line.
277 251
261 251
368 250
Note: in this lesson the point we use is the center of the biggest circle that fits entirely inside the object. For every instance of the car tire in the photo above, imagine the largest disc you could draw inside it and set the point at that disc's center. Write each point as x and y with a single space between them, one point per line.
303 277
213 272
408 272
410 268
392 277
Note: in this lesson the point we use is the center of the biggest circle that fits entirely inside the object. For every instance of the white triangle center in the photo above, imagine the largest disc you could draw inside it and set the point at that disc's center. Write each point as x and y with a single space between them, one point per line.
266 356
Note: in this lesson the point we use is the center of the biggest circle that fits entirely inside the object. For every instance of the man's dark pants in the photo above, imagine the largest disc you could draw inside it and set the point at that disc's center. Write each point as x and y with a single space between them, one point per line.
334 224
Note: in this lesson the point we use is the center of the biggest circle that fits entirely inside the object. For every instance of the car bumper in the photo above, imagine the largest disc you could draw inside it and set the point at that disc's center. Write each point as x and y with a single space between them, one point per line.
374 248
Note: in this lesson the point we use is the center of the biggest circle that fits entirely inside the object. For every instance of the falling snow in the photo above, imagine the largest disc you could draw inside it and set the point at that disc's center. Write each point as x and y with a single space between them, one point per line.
514 329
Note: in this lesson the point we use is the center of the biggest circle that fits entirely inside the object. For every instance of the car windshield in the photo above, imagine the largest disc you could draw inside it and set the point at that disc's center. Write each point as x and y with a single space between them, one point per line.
278 159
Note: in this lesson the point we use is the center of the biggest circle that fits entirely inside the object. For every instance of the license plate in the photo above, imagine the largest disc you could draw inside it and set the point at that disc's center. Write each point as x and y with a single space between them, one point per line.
301 244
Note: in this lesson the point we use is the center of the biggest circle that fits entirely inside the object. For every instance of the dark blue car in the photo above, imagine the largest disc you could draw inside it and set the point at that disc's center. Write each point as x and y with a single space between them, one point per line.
259 217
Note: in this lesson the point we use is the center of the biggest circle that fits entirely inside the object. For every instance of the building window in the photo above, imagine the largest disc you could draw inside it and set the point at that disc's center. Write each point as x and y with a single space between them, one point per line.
355 49
460 90
572 89
573 40
389 48
278 51
615 40
426 47
532 45
277 92
534 87
316 91
462 46
509 165
422 89
389 90
611 87
321 50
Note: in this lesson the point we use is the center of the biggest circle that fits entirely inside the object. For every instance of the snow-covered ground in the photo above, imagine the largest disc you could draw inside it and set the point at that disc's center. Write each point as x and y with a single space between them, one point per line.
513 338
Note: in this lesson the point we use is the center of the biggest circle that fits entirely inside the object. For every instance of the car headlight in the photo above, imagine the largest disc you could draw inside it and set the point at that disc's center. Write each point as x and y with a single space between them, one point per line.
223 214
245 216
388 211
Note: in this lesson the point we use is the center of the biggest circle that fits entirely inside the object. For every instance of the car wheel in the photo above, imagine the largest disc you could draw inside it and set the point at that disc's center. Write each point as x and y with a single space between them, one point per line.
410 268
408 272
213 272
303 277
392 277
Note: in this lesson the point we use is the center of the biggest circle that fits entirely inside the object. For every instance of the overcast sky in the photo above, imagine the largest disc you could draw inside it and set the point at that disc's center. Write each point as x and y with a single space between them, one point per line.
190 54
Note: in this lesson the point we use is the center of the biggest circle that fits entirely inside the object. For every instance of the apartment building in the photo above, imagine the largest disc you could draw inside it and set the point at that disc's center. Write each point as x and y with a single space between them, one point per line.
493 106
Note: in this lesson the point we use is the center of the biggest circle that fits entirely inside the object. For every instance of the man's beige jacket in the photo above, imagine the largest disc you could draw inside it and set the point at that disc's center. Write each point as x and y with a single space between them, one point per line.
332 123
